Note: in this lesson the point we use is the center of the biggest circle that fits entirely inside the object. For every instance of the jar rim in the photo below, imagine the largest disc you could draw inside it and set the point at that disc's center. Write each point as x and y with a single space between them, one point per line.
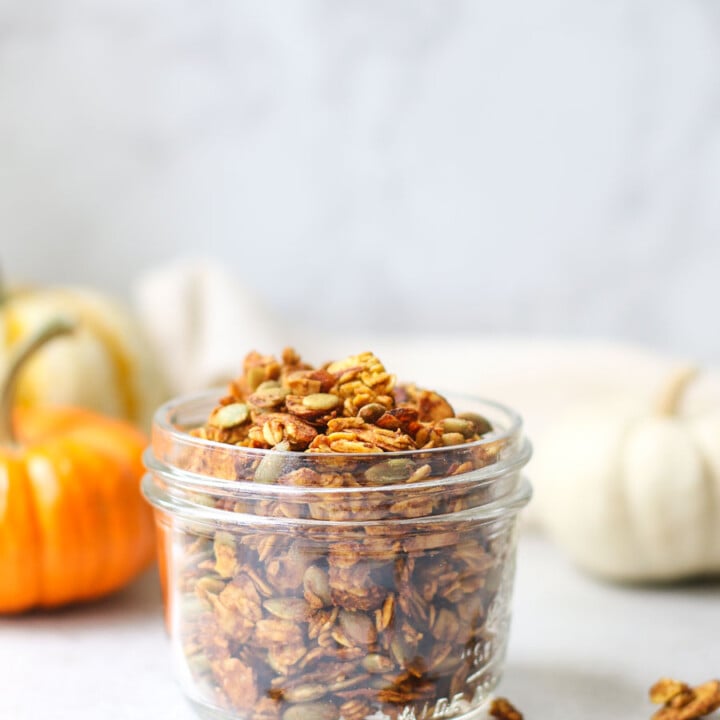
161 500
171 480
171 485
206 483
163 424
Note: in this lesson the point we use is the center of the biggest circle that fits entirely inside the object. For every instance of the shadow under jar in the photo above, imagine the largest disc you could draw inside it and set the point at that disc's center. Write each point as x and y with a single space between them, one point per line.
302 586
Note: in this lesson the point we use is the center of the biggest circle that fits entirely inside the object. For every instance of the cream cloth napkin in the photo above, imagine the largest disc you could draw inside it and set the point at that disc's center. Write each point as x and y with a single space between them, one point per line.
202 321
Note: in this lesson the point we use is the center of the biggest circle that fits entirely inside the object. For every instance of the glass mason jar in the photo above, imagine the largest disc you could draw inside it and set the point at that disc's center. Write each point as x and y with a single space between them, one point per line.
303 586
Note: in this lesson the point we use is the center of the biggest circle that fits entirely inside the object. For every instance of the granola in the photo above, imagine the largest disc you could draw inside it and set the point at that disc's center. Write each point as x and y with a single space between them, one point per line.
376 609
353 405
503 709
681 702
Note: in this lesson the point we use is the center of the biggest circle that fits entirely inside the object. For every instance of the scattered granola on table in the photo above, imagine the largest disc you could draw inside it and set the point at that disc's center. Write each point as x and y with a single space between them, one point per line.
681 702
502 709
377 611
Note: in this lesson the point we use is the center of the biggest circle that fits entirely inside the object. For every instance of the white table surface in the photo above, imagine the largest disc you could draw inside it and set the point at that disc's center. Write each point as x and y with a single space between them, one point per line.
579 650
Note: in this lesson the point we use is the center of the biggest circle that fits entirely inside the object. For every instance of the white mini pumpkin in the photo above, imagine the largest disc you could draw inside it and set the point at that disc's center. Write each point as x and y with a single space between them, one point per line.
105 365
631 492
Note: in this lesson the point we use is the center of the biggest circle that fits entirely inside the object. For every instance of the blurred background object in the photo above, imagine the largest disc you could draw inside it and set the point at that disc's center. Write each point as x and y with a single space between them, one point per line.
630 488
73 524
458 166
104 365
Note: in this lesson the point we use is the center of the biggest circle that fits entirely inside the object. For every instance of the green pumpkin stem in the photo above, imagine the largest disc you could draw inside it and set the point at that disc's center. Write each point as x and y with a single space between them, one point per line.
21 353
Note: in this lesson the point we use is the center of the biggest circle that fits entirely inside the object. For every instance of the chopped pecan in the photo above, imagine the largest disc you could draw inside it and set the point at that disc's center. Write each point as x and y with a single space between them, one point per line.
308 382
277 427
402 418
430 406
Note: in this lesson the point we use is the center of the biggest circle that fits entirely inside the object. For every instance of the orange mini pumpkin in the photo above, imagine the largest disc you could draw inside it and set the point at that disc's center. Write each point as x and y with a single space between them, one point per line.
73 524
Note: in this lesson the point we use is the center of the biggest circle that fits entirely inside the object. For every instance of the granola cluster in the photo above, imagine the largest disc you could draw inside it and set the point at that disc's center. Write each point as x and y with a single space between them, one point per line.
681 702
396 607
349 406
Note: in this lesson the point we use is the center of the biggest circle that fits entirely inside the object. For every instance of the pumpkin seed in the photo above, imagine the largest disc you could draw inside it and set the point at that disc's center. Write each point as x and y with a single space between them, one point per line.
390 471
268 395
400 650
210 584
380 682
229 416
267 384
321 401
446 625
274 394
271 466
315 582
311 711
288 608
305 693
374 663
371 412
453 438
357 627
447 665
482 425
341 685
458 425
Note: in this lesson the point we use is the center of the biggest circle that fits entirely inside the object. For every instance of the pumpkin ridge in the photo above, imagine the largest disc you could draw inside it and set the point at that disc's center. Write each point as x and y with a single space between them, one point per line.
136 551
18 520
113 477
622 484
61 521
713 489
95 498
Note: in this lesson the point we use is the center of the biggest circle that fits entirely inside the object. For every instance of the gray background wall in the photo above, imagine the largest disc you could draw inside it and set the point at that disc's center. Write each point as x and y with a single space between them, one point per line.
550 167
